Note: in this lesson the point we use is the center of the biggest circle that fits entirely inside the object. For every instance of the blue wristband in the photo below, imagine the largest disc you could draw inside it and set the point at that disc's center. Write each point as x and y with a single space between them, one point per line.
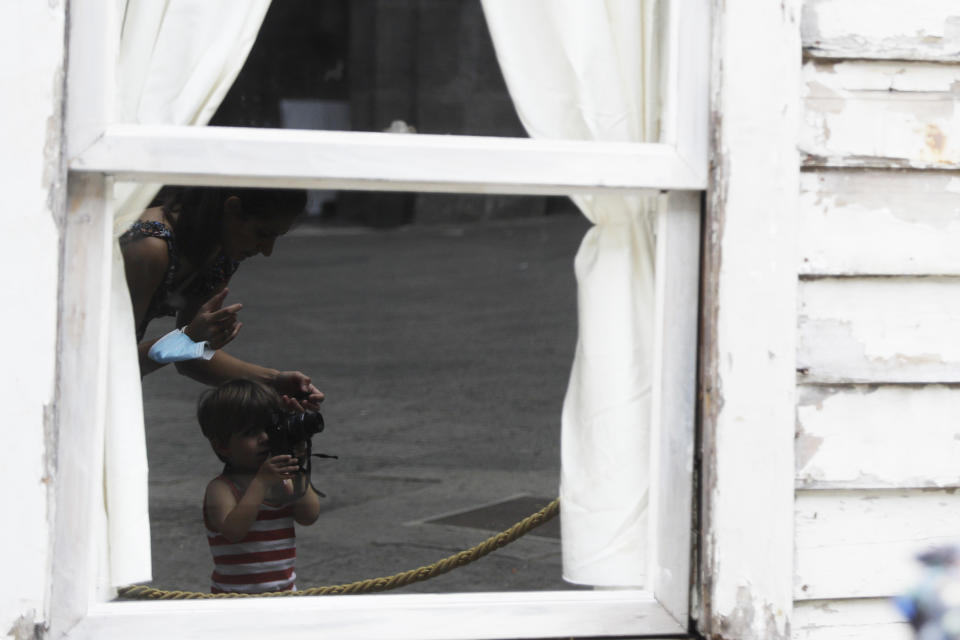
177 346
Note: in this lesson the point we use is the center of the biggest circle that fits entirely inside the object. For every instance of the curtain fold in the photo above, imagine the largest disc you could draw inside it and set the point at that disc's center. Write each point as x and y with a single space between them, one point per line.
177 59
586 70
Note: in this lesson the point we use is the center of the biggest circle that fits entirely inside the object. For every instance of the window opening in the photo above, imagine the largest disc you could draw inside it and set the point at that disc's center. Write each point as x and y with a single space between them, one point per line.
444 349
369 65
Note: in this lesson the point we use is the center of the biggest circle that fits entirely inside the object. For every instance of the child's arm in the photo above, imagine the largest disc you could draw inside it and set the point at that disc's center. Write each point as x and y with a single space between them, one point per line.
233 518
306 509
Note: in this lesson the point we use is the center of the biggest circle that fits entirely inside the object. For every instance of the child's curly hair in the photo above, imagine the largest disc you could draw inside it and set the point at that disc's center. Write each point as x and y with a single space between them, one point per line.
234 407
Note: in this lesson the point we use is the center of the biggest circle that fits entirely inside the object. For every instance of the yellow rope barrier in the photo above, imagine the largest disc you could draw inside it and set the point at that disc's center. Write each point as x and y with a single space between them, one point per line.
140 592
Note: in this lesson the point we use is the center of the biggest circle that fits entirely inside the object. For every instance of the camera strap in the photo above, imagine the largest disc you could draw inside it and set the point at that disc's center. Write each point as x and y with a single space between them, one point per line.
307 467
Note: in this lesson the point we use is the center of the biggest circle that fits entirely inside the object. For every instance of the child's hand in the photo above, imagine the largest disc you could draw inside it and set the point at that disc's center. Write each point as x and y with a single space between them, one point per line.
300 451
277 469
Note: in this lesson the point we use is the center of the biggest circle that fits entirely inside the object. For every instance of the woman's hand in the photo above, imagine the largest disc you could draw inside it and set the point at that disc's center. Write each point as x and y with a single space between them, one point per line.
214 323
295 386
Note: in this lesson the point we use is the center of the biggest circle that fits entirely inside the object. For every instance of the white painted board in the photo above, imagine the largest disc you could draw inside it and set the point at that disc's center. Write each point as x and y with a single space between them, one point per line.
873 222
881 114
466 616
898 329
861 619
888 436
863 544
748 329
892 29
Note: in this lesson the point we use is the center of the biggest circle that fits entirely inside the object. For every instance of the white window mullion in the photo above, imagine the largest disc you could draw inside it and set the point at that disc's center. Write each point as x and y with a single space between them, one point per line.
94 39
686 82
381 161
82 403
674 398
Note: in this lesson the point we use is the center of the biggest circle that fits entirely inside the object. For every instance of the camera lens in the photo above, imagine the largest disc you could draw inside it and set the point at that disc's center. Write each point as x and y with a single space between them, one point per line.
291 429
312 422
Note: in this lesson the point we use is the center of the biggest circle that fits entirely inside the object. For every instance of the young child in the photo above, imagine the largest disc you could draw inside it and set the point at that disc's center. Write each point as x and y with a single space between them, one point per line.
249 509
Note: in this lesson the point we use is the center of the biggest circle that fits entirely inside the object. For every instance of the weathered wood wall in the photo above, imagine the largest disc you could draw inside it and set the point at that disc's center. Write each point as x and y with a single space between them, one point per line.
878 348
32 49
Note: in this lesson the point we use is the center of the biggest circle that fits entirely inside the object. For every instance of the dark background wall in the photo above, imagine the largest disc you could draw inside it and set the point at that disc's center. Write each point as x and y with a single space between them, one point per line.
430 63
427 65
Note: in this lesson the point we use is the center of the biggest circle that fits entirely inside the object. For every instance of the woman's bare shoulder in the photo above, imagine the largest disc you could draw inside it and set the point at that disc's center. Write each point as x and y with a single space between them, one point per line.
146 243
153 221
149 253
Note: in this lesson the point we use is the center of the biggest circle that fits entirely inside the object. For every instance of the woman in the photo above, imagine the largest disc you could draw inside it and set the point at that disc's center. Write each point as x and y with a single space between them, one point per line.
178 258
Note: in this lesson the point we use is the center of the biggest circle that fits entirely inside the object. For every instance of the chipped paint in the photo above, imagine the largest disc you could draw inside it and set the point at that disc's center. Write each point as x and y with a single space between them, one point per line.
880 329
870 420
936 140
856 161
863 544
867 618
24 628
805 449
33 169
919 30
770 621
711 385
828 99
881 113
747 578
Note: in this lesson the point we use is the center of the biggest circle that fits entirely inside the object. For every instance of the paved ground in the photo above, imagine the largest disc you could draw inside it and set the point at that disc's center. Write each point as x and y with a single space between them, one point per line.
444 353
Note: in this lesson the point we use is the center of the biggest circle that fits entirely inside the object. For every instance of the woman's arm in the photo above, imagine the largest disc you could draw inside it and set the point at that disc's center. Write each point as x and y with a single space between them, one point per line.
223 367
145 263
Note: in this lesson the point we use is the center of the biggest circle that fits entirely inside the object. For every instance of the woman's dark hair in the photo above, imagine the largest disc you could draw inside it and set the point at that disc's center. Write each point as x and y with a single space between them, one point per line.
234 407
200 212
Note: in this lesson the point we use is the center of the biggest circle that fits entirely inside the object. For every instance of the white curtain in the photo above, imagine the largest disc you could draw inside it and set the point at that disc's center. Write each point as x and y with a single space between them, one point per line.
177 59
586 70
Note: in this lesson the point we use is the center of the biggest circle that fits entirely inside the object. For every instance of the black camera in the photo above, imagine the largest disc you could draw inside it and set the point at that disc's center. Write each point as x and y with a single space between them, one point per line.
287 430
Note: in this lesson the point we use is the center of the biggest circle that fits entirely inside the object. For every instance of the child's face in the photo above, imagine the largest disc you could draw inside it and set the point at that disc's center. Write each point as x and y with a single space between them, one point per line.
246 450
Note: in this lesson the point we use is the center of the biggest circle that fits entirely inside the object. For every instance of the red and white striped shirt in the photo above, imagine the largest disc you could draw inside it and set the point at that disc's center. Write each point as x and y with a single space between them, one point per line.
263 560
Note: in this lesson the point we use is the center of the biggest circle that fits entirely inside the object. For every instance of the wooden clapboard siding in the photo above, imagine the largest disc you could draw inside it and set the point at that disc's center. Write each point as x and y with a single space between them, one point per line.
867 222
878 436
891 29
857 544
879 330
878 350
881 114
872 618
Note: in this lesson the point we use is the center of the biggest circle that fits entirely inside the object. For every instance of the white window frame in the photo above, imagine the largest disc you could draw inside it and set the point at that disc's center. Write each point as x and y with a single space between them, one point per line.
100 151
